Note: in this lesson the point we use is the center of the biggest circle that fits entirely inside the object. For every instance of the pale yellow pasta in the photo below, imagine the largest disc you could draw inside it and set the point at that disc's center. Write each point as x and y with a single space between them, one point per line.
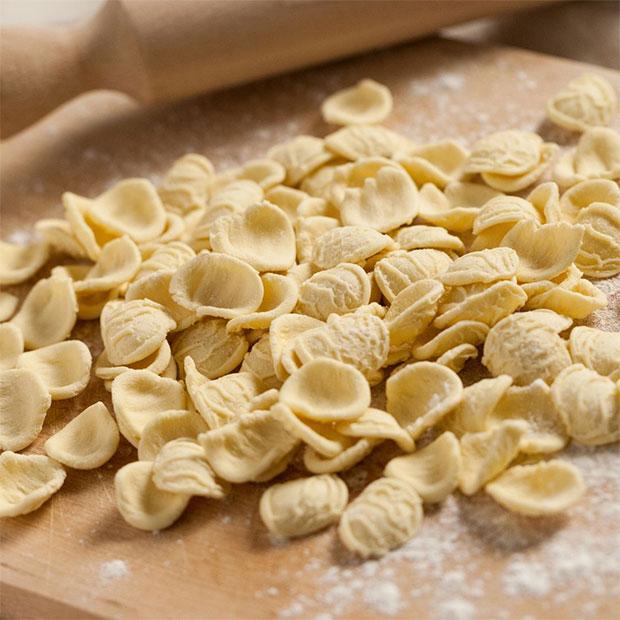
503 212
383 517
219 285
487 454
265 172
456 358
265 400
433 471
166 426
420 236
377 424
247 447
259 362
88 441
280 294
26 482
350 456
545 198
420 394
48 313
587 403
585 193
175 229
64 367
11 345
18 263
510 152
484 266
365 103
539 489
439 163
599 254
262 236
157 363
138 395
221 400
596 349
462 332
308 230
186 184
141 503
8 305
300 156
435 208
58 235
359 141
557 322
585 102
166 256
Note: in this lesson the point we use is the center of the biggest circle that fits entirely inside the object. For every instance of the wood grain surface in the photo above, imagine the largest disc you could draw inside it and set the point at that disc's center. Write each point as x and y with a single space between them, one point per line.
217 561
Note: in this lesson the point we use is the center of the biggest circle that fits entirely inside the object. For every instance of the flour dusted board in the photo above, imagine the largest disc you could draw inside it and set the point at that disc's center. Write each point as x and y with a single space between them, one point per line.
76 557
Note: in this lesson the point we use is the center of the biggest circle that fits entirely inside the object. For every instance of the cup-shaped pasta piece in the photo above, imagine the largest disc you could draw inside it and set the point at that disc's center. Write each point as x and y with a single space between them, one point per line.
433 471
348 244
485 455
88 441
350 456
366 103
138 395
526 349
596 349
142 504
186 184
456 358
18 263
587 404
420 236
262 236
503 212
420 394
539 489
259 362
586 101
215 351
412 310
461 332
377 424
308 230
279 297
484 266
583 194
300 156
545 198
48 313
338 290
303 506
26 482
167 426
8 305
59 237
247 447
599 255
11 345
24 401
383 517
221 400
133 330
266 172
288 199
383 203
358 141
435 208
64 367
217 285
439 163
181 467
157 363
326 390
169 256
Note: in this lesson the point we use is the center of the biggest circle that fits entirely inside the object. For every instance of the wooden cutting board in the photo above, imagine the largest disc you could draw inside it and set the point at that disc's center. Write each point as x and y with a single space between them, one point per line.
76 557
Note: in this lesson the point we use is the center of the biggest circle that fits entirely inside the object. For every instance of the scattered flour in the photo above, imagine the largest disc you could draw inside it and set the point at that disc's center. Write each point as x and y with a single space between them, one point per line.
384 597
113 570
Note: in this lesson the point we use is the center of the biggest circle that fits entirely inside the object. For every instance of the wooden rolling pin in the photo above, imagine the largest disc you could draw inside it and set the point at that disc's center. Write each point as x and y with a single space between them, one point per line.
161 50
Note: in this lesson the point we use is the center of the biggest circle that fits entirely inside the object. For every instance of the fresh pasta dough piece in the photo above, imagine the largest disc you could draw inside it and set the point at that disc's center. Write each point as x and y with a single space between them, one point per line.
383 203
502 212
186 184
412 310
142 504
348 244
350 456
303 506
166 426
487 454
26 482
585 102
539 489
397 271
603 218
265 400
456 358
262 236
599 254
219 285
64 367
308 230
300 156
439 163
279 297
526 349
24 401
247 447
366 103
545 198
420 394
8 305
386 514
11 345
485 266
435 208
169 256
587 403
478 403
420 236
326 390
338 290
544 251
19 263
358 141
259 362
58 235
88 441
138 395
557 322
48 313
265 172
175 229
433 471
486 304
221 400
585 193
596 349
461 332
377 424
133 330
157 363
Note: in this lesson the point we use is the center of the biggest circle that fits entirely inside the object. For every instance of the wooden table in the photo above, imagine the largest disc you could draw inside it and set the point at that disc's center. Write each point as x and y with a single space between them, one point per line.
76 557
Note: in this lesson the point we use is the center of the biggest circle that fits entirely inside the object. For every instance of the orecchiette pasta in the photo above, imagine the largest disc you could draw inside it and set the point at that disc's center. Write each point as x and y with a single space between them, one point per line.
421 236
377 424
597 350
485 266
359 141
8 305
363 104
350 456
456 358
301 156
186 185
11 345
18 263
439 163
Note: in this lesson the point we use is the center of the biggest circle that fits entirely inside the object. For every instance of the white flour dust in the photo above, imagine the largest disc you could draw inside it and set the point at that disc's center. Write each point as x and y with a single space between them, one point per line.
113 570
